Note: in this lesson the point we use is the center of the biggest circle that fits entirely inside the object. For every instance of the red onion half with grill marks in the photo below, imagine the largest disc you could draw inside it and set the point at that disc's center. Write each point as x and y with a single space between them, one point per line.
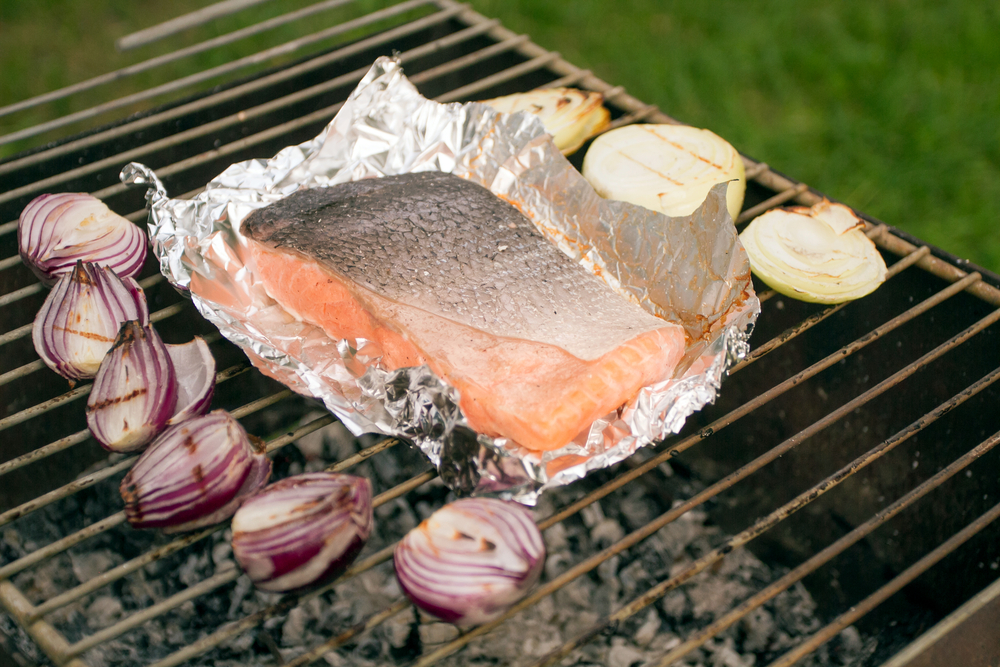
56 230
194 368
195 474
134 392
303 530
470 560
81 316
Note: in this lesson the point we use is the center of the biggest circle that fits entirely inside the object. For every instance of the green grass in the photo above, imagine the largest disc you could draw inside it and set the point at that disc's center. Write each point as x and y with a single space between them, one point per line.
890 106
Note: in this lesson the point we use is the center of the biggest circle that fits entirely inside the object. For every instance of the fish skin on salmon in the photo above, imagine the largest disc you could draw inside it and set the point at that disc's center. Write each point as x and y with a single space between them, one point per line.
437 270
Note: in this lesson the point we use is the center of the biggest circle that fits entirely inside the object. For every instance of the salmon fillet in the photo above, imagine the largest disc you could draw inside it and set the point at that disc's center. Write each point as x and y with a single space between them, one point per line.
437 270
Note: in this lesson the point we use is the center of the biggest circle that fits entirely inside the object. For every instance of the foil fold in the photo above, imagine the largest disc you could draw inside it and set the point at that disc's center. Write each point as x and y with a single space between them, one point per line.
689 270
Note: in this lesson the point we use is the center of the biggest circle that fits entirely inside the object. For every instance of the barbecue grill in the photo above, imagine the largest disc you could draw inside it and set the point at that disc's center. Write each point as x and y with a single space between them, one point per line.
853 449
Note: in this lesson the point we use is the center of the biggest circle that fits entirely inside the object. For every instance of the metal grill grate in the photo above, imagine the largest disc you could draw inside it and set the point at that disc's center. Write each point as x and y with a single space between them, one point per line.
837 394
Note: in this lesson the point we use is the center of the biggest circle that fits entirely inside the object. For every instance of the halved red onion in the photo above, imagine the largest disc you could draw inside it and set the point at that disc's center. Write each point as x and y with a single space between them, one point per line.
81 316
134 392
56 230
195 474
194 368
303 530
470 560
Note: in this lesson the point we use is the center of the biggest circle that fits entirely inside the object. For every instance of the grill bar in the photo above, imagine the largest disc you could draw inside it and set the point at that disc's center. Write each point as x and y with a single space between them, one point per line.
834 549
233 629
278 104
48 638
38 364
214 72
81 436
811 321
181 23
773 519
173 56
119 572
340 640
17 295
89 480
591 498
151 612
771 202
885 592
65 543
670 516
180 542
37 288
535 61
65 491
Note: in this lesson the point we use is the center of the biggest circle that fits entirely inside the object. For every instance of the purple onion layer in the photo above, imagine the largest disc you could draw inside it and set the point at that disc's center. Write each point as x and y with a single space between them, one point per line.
80 319
195 474
134 392
470 560
303 530
57 230
194 368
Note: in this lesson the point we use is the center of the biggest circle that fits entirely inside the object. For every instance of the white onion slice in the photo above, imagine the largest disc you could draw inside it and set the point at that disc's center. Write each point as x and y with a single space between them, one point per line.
56 230
817 254
194 368
665 168
570 115
470 560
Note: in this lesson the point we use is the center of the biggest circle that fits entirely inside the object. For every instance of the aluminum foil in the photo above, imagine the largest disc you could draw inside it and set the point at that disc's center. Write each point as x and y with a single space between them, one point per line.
690 270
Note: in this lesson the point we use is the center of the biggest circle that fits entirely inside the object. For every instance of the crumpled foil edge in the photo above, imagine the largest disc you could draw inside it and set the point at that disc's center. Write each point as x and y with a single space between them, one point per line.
386 127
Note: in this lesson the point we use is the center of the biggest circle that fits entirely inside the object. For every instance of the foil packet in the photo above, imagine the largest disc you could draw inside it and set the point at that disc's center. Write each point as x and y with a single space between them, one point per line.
689 270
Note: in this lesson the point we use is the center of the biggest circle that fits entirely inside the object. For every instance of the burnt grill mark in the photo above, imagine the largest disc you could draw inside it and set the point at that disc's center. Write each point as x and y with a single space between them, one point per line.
82 275
257 444
199 474
85 334
129 492
684 149
132 395
190 445
129 332
307 505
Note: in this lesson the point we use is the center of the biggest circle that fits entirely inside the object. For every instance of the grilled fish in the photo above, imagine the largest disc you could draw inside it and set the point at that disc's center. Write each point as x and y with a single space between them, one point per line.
437 270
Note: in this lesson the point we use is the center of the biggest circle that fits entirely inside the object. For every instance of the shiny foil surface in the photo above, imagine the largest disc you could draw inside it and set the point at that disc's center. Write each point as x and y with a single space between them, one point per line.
689 270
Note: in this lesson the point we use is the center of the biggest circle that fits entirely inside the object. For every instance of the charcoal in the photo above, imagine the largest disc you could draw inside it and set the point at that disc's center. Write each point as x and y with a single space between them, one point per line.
758 638
104 611
647 631
437 633
622 654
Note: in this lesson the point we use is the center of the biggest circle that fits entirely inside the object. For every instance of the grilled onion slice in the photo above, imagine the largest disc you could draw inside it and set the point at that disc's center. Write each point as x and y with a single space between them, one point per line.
817 254
570 115
666 168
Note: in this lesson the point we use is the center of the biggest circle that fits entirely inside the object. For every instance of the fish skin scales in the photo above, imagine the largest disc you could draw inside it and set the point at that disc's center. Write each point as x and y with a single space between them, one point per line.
438 270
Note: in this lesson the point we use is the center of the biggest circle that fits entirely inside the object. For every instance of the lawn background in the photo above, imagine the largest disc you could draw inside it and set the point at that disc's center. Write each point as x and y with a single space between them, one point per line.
892 107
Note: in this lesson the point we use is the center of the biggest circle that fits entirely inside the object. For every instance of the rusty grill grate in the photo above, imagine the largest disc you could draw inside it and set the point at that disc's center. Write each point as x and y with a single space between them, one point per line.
854 445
